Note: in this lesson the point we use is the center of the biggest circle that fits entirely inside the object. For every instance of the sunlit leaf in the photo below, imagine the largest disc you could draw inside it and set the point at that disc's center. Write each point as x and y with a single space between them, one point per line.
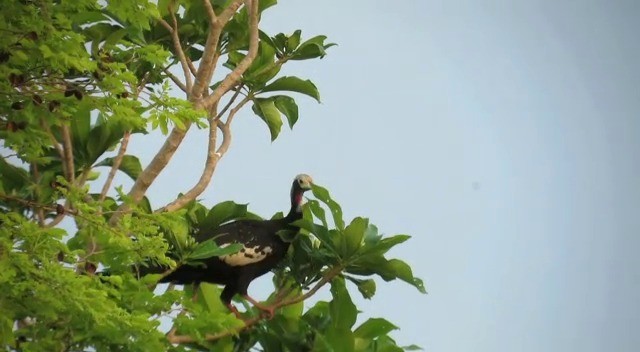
129 164
293 84
267 111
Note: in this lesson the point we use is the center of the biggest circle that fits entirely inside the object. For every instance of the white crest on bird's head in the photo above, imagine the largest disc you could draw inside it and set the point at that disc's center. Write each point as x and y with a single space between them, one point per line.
304 181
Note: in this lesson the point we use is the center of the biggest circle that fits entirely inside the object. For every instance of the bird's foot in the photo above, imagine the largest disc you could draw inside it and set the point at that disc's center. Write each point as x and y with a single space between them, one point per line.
265 311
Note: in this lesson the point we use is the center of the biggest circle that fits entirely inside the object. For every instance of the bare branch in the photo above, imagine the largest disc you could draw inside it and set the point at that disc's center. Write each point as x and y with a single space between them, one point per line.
203 76
176 80
151 172
212 15
115 166
326 278
68 152
210 53
234 76
213 156
177 46
231 101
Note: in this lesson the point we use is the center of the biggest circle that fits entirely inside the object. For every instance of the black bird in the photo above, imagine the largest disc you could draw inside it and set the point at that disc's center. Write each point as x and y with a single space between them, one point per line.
262 250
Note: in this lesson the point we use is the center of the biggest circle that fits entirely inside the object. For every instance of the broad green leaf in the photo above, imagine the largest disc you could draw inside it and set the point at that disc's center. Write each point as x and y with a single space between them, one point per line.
14 178
383 245
353 235
336 211
371 236
343 311
210 295
312 48
367 288
209 248
293 41
321 343
317 211
287 107
221 213
319 231
80 127
341 339
267 111
373 328
412 348
386 344
293 84
130 165
396 268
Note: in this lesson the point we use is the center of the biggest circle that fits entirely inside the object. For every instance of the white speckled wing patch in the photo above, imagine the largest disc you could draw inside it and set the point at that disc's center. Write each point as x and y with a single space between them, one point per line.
246 255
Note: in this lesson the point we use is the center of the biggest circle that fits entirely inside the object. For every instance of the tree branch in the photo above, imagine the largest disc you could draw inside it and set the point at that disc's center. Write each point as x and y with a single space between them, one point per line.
159 162
116 165
213 156
68 152
177 81
326 278
234 76
173 30
207 65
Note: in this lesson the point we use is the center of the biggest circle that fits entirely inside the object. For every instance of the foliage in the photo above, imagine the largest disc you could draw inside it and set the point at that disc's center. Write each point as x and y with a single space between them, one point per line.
78 79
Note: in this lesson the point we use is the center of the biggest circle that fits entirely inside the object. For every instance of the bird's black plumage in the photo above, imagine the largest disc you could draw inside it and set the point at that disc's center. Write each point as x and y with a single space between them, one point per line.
262 250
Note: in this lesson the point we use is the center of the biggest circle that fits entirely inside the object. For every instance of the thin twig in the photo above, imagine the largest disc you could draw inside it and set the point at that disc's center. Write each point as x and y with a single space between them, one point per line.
116 165
231 101
173 30
176 80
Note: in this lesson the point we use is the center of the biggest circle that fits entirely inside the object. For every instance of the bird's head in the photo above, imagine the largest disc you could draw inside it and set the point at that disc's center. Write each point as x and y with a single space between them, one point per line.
301 184
303 181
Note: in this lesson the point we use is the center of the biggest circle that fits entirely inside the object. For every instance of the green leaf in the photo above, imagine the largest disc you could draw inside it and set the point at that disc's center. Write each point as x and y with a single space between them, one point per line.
396 268
318 211
341 339
383 245
210 295
267 111
373 328
130 165
209 248
336 211
367 288
386 344
293 41
293 84
312 48
343 311
353 235
80 127
319 231
288 107
221 213
412 348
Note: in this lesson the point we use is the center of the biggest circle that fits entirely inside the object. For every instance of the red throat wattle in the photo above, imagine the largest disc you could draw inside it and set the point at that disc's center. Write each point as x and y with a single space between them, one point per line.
298 198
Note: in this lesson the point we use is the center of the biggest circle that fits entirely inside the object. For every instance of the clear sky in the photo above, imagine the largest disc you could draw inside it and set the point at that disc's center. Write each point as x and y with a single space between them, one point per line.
503 136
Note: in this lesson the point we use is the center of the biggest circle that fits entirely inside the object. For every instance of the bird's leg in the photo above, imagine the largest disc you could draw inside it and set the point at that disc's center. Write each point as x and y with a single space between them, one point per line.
234 310
270 311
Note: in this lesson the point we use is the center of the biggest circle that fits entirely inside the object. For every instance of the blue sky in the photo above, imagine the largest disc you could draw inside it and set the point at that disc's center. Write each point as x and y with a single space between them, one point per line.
502 137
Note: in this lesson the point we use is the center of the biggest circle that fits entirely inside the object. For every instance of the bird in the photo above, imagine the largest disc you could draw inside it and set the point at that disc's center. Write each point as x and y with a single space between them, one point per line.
262 249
